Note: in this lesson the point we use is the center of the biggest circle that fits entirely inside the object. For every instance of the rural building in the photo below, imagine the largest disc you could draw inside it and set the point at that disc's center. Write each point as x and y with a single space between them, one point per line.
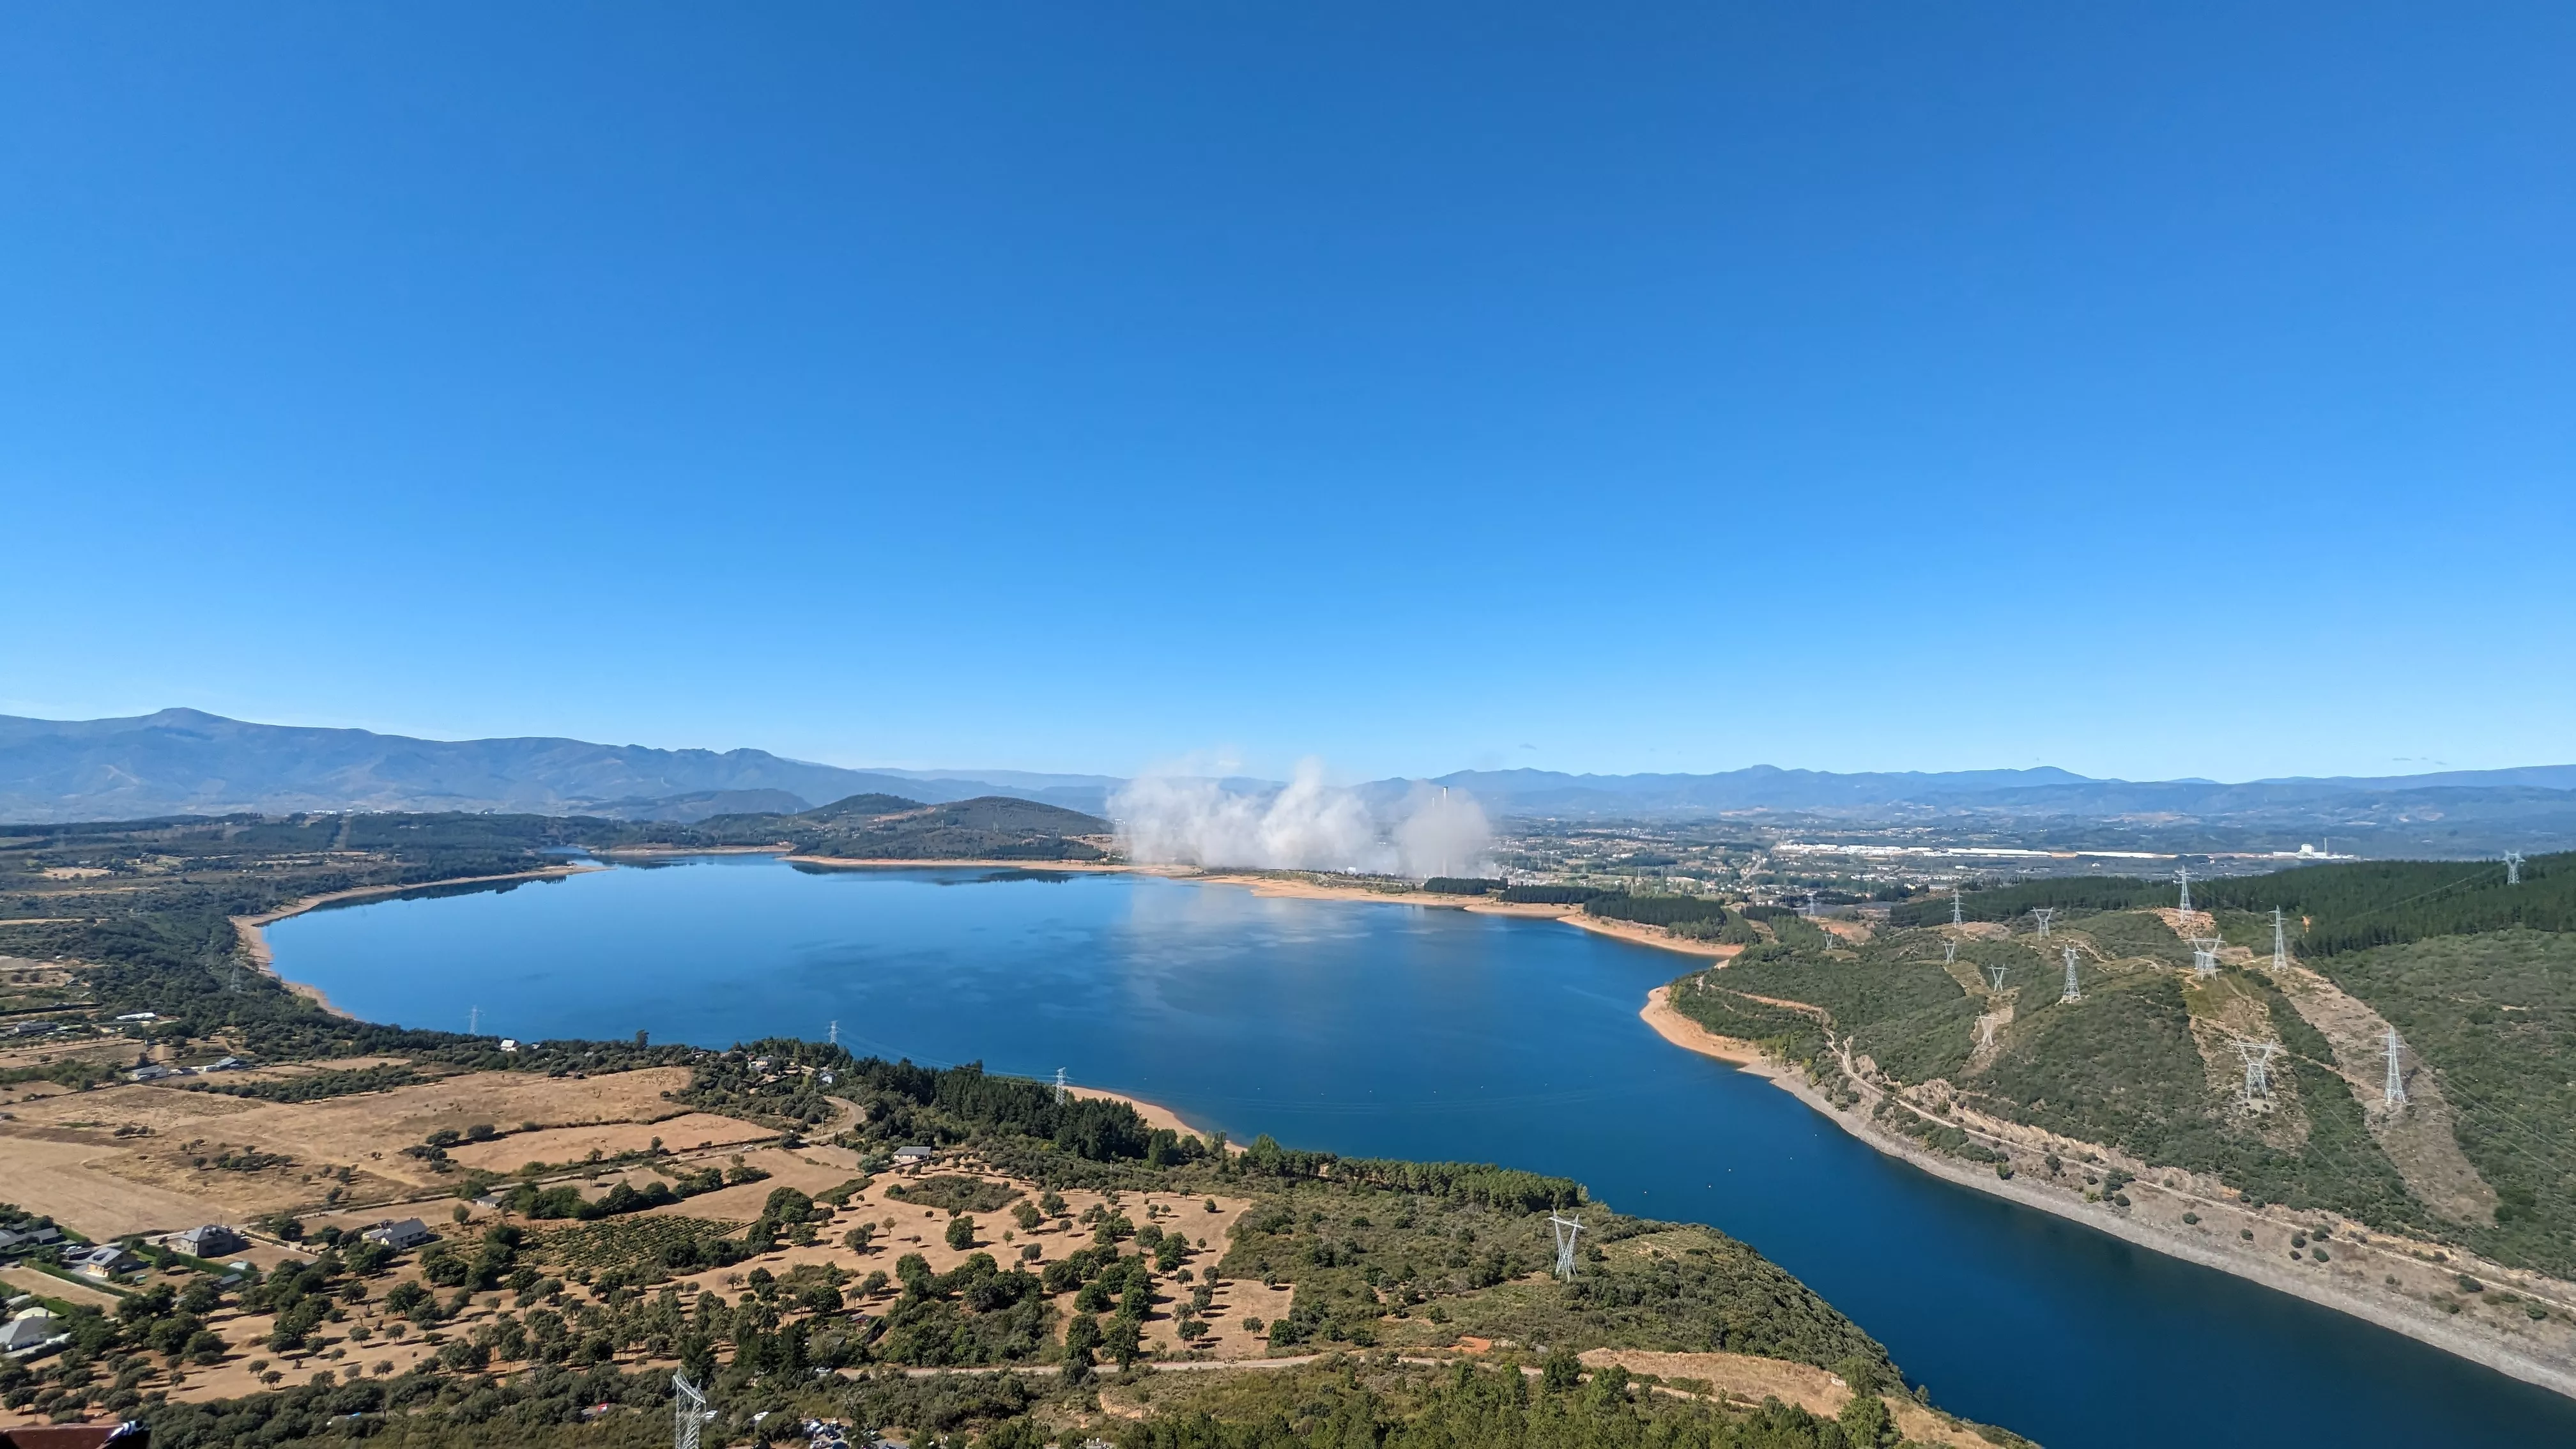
408 1233
27 1240
207 1241
104 1261
30 1329
912 1156
152 1073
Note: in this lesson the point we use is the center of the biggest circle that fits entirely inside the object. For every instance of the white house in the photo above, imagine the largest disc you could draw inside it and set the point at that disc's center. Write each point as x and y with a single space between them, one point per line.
30 1329
912 1156
408 1233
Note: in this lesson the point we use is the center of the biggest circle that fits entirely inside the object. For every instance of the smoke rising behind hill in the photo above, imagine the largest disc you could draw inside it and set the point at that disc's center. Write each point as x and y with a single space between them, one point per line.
1306 825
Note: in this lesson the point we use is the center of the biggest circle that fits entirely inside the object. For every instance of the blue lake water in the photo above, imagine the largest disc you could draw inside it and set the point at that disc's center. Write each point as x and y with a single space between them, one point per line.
1393 1030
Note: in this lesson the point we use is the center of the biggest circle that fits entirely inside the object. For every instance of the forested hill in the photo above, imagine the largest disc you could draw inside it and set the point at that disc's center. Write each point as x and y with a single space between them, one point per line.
2473 973
890 827
2331 908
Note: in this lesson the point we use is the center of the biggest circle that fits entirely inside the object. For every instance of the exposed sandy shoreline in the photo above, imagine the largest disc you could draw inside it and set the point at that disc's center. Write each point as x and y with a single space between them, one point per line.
2209 1249
1305 890
1155 1114
840 862
255 940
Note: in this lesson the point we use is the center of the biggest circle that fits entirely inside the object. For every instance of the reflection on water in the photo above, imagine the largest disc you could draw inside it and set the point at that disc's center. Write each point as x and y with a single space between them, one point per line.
1395 1030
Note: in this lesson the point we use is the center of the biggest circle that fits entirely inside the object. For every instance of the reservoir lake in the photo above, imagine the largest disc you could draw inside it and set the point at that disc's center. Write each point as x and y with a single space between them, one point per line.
1391 1030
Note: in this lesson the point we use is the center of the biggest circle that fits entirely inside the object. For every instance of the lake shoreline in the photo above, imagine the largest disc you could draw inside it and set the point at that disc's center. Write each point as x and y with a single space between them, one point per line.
2424 1326
1297 889
254 937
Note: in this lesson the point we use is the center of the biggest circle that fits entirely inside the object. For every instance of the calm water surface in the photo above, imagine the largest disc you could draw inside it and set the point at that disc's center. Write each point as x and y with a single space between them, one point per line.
1399 1031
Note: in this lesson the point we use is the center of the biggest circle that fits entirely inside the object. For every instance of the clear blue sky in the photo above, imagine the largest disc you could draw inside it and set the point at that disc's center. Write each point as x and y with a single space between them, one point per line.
2149 390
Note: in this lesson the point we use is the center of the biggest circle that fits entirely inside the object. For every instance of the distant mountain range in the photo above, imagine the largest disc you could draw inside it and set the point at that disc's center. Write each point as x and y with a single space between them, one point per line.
183 761
186 762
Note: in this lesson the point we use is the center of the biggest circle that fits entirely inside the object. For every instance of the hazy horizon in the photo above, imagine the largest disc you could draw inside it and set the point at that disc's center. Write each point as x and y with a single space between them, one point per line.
1208 768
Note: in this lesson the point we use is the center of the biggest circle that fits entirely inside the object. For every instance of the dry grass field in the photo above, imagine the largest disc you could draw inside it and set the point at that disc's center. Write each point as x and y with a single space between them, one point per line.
687 1132
66 1158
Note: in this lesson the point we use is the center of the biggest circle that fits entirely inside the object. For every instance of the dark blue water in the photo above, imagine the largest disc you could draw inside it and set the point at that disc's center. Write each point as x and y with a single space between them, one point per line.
1398 1031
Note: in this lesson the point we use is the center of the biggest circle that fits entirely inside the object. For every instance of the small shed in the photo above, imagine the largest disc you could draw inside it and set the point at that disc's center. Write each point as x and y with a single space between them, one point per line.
913 1156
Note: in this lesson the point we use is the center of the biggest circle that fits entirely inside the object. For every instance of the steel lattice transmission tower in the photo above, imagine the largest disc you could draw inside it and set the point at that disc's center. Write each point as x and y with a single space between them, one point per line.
2183 874
1956 918
1566 1230
836 1033
2257 1057
1949 953
2396 1094
2513 867
1059 1086
2280 943
688 1413
2204 956
2042 913
2073 992
1996 972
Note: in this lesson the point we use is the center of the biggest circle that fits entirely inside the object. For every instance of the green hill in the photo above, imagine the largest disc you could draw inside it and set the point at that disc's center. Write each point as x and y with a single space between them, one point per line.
2478 978
890 827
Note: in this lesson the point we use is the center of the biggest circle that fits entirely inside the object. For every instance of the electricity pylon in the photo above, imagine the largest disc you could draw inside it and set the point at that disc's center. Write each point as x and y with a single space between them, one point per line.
2183 873
2204 956
1955 917
688 1413
1059 1086
2280 944
2513 867
2396 1093
2257 1057
1566 1230
2043 913
2073 992
1996 972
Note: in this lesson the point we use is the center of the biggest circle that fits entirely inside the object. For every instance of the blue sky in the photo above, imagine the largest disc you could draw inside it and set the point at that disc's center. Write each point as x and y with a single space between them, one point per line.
2149 390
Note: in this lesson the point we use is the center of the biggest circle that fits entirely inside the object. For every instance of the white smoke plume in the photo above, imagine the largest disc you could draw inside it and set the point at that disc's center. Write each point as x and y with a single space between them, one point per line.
1307 825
